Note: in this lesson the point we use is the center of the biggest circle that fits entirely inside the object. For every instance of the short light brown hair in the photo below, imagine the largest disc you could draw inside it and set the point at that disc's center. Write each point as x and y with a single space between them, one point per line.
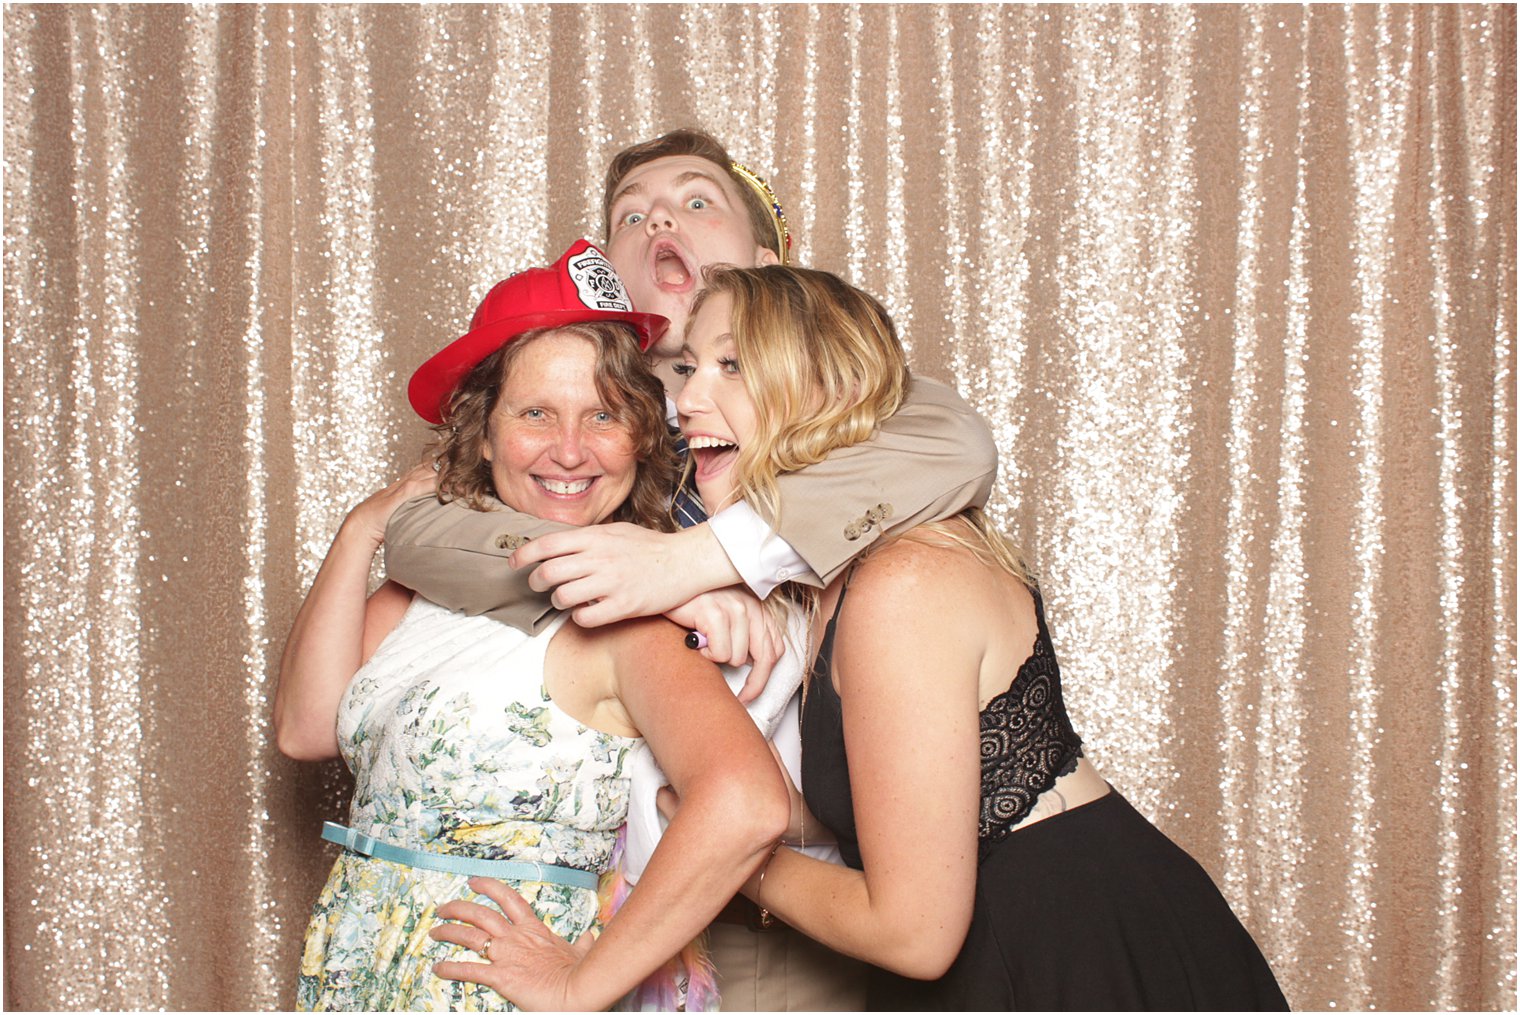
629 390
702 145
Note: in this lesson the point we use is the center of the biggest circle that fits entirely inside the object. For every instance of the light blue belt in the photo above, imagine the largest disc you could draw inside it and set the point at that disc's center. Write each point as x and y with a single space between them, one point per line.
507 870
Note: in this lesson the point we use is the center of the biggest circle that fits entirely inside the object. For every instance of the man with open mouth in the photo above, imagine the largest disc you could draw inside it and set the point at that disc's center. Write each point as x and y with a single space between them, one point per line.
671 207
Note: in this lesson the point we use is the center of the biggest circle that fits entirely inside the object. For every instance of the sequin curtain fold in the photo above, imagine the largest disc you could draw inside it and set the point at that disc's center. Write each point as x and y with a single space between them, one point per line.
1235 287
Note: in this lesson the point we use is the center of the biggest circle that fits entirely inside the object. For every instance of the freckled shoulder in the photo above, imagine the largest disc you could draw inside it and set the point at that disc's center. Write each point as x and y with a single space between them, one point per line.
653 643
931 591
912 570
659 680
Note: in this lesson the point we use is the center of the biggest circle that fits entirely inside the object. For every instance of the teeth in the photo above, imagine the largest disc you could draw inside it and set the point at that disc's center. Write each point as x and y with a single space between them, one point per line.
561 487
709 442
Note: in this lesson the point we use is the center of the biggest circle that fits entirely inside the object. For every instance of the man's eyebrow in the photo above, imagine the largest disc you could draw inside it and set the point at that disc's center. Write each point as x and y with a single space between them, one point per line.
697 174
637 187
632 188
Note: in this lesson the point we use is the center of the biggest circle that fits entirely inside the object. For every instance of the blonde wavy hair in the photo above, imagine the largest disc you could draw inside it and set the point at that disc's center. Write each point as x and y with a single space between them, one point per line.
822 363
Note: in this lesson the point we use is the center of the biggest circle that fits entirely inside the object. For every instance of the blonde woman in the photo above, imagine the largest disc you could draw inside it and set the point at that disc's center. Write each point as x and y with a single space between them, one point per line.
990 866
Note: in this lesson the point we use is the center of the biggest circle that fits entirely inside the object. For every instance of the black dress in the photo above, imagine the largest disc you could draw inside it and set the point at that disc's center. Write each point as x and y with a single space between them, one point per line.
1091 909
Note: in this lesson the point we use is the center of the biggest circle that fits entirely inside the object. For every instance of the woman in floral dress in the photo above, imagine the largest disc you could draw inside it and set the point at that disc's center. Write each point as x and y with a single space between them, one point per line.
480 750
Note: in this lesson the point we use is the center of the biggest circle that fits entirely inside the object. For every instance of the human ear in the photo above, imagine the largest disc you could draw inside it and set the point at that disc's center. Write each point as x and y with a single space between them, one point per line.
766 256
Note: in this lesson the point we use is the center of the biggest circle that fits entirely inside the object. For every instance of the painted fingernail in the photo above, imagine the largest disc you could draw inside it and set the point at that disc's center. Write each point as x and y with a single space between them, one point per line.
696 640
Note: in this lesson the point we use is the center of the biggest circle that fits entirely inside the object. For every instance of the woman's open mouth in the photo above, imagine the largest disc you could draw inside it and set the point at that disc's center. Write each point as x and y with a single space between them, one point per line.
712 454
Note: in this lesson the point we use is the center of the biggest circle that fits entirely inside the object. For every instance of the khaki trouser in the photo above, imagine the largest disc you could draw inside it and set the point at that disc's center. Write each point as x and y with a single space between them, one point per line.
783 970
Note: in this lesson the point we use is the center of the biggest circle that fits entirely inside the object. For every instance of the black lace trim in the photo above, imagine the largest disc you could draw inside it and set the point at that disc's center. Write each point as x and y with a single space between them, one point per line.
1027 740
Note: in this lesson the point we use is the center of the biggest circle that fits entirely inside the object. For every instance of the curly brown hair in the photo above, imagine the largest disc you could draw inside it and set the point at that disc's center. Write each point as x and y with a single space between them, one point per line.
629 390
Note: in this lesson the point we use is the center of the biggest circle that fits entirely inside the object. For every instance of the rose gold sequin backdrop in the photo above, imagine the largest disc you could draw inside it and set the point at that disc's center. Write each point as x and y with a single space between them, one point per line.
1234 286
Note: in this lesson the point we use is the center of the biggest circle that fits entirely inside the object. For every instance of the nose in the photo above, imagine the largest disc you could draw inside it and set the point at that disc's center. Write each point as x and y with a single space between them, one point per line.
569 445
661 217
693 396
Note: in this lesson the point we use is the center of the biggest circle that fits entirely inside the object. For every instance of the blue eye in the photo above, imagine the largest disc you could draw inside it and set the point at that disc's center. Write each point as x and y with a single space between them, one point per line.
684 369
533 414
729 365
633 218
697 203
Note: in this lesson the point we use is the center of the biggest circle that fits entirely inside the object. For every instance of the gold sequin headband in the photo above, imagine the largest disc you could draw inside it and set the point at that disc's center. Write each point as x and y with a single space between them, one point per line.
759 186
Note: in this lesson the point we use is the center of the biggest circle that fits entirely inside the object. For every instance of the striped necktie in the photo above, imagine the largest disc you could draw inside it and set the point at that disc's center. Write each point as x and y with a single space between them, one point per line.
684 503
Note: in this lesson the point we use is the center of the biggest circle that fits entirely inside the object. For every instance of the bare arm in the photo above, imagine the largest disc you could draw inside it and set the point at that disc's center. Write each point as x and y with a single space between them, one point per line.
907 665
734 807
338 627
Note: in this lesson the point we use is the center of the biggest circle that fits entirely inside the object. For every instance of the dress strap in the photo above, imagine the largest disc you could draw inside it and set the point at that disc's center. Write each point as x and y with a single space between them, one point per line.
824 661
849 576
1042 630
839 603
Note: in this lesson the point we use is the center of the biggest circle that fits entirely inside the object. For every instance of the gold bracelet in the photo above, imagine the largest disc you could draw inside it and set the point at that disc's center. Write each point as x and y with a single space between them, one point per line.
765 914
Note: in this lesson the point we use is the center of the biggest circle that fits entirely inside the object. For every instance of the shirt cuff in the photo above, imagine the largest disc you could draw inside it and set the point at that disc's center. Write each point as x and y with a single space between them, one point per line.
762 558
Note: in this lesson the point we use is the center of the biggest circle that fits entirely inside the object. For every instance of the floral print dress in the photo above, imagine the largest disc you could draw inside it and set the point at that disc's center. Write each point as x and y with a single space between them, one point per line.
455 748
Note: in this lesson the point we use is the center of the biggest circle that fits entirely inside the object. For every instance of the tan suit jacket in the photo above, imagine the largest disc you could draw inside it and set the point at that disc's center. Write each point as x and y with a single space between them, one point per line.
932 458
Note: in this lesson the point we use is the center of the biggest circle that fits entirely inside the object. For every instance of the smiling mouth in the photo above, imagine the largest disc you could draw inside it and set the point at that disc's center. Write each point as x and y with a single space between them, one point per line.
671 272
565 487
712 454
